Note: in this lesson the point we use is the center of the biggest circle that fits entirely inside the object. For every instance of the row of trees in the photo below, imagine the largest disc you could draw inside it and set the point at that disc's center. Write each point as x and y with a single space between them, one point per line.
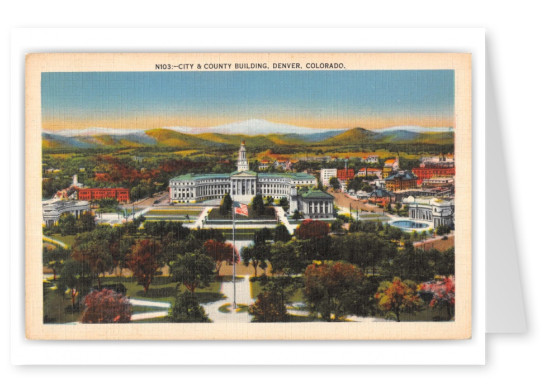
374 252
336 290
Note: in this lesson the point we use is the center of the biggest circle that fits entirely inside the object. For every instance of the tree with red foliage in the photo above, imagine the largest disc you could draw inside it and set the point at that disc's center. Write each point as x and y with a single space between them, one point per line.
106 306
145 260
332 290
312 229
398 297
220 252
443 294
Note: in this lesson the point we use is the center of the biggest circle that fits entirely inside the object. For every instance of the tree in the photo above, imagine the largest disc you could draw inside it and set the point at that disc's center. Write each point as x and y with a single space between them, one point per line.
284 258
106 306
193 270
284 203
257 205
120 251
334 183
54 258
220 252
67 224
76 277
145 261
226 205
262 235
398 297
187 309
336 226
269 307
93 248
310 229
256 255
281 234
332 290
443 294
86 222
297 215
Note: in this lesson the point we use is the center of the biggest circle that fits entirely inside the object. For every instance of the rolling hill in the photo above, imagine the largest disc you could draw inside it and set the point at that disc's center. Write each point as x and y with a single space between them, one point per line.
177 139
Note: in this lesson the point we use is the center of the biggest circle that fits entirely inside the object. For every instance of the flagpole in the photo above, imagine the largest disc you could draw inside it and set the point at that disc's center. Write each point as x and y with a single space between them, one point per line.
233 218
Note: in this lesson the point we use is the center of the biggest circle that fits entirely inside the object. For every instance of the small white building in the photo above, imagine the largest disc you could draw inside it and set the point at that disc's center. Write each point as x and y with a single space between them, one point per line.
371 159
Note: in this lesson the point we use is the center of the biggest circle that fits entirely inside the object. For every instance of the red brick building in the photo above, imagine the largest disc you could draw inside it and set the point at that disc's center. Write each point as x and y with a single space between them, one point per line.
91 194
423 173
345 175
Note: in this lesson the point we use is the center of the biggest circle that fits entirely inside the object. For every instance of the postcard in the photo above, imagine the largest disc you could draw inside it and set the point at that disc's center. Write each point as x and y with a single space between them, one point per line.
248 196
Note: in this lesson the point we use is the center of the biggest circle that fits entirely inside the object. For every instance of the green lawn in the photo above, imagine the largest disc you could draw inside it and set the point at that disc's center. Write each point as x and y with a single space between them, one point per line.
426 314
161 289
256 288
240 233
67 239
174 212
58 307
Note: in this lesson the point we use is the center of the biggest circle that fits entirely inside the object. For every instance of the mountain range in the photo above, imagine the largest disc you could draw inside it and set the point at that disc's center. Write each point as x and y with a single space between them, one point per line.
256 133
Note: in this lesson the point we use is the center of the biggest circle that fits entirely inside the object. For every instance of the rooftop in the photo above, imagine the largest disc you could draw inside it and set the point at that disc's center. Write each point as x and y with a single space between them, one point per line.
403 176
315 193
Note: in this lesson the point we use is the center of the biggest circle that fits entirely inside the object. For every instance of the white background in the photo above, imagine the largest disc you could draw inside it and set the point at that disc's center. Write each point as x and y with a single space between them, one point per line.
517 44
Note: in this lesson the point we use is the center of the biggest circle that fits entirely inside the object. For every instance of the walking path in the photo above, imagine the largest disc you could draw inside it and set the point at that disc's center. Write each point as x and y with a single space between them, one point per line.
149 315
283 219
243 296
55 241
200 222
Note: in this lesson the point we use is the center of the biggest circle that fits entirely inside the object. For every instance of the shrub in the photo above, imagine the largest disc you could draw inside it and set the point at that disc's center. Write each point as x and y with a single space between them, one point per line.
106 306
188 310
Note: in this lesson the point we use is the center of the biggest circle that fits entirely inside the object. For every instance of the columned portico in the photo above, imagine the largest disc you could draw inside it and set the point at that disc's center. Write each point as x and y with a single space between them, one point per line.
243 186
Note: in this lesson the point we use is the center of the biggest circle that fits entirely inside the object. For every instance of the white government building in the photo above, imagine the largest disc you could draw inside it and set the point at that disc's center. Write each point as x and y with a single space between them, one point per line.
53 209
243 185
438 211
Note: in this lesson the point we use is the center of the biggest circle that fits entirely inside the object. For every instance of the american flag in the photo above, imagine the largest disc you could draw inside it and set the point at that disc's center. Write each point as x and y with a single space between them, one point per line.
241 209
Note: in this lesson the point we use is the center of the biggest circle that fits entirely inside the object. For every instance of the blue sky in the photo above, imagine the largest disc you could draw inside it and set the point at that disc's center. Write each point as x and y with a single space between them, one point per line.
327 99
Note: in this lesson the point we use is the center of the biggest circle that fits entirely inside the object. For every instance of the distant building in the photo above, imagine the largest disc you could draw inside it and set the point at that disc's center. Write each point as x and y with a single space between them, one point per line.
390 166
393 163
401 181
365 172
75 181
264 165
53 209
381 197
345 174
438 211
91 194
423 173
326 174
438 182
371 159
438 161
